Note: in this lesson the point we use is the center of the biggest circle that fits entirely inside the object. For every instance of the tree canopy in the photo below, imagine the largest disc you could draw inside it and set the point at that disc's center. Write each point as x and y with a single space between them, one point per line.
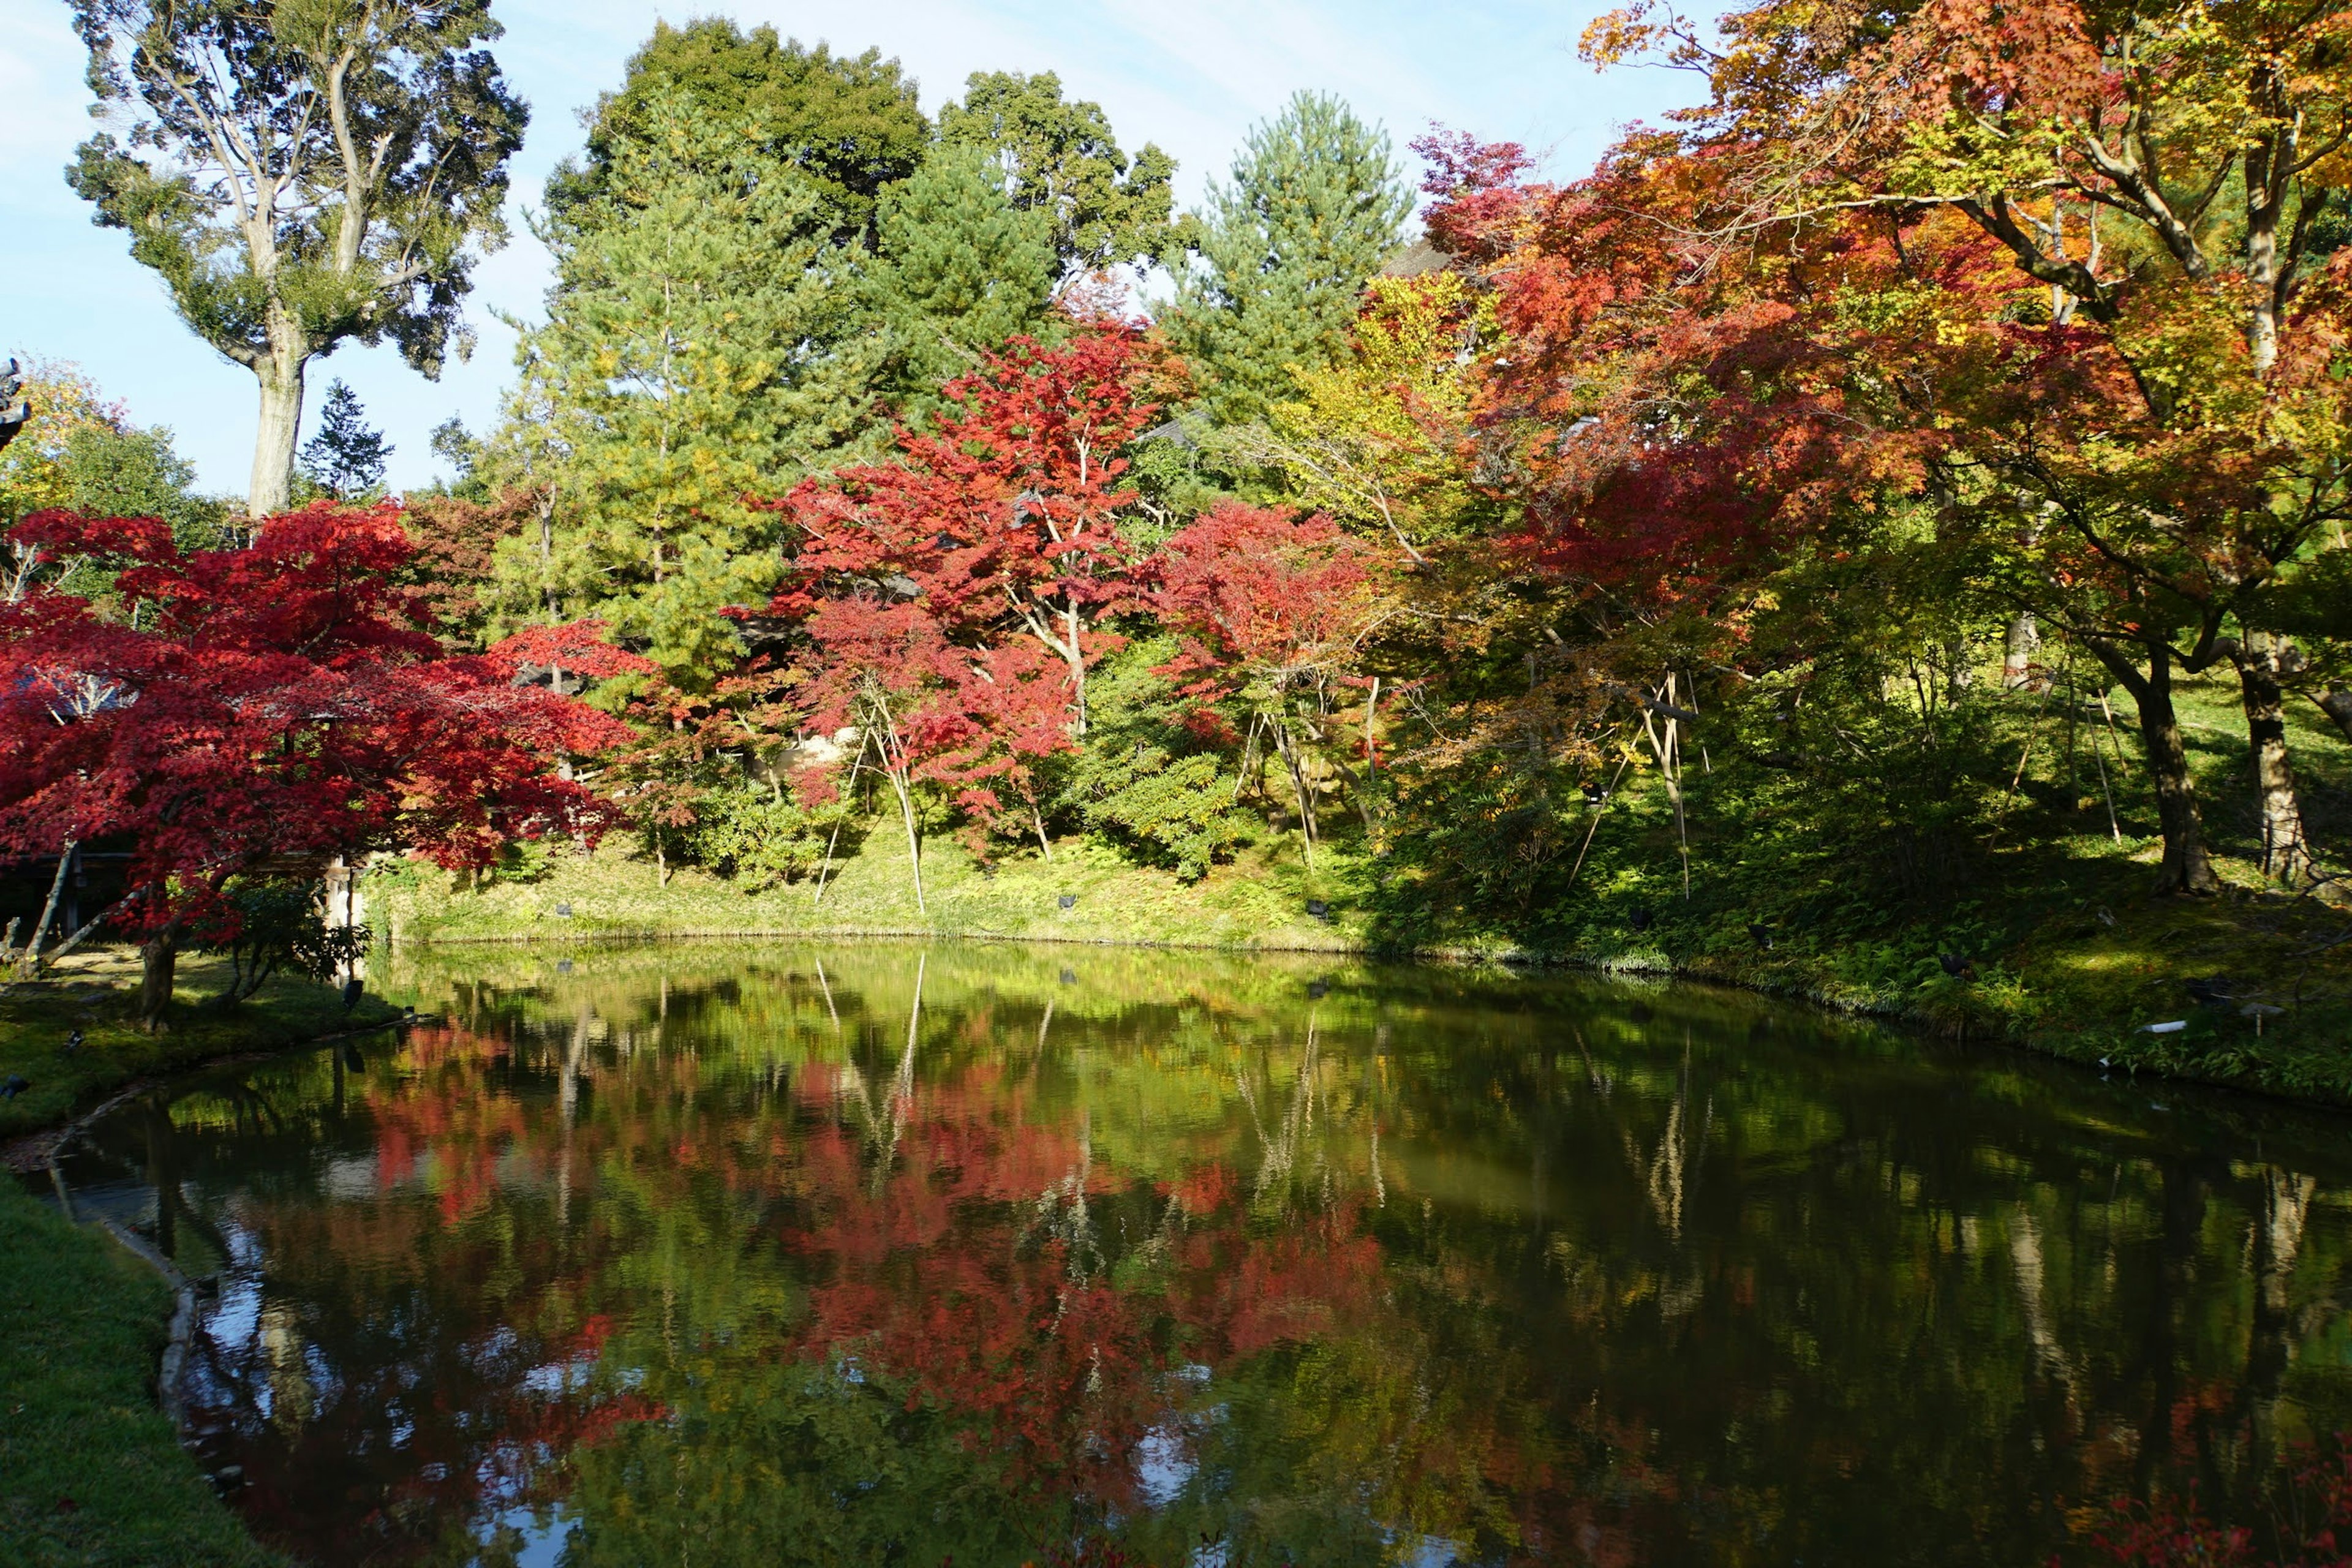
302 176
1061 159
1315 204
849 125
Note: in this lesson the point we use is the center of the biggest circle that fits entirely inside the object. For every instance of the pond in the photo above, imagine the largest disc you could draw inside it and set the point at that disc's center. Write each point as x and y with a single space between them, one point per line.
883 1254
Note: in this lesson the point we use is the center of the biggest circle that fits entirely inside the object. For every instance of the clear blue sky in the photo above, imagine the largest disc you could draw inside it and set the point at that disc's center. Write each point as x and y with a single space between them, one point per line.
1191 75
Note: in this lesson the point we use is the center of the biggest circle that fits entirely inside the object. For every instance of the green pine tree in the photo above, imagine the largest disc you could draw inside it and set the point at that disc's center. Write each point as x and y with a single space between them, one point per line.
963 269
345 456
708 339
1315 206
1060 159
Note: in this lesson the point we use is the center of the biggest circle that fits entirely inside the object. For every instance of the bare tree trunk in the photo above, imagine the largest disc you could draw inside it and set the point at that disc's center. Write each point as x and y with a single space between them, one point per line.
2286 854
273 441
2017 659
2187 868
159 958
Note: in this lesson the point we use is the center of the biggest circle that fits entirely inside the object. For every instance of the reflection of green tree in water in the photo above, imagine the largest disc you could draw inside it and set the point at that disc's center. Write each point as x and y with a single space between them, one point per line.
1183 1251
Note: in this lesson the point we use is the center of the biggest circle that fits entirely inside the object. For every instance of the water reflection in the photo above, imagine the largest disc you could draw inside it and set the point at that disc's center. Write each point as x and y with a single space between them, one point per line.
870 1254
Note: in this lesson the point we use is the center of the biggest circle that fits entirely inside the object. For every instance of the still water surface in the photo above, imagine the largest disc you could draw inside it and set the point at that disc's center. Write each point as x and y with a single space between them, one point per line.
878 1255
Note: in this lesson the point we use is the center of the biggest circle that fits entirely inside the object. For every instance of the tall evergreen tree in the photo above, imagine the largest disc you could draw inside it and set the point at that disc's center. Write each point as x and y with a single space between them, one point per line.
1060 159
300 175
848 124
1314 205
347 454
962 267
707 337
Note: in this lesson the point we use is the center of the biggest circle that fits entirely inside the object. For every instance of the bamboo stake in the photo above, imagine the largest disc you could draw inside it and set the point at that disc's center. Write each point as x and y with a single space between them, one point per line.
29 962
832 842
1622 763
2114 826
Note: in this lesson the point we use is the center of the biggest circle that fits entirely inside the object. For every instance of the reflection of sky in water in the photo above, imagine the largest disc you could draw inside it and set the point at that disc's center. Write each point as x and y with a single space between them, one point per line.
349 1176
543 1541
1163 1466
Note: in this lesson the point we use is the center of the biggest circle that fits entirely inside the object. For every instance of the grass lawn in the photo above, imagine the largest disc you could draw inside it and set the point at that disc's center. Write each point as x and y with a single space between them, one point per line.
1259 902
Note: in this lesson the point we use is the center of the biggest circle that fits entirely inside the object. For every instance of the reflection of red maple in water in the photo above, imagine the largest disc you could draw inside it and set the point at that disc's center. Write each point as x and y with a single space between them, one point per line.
435 1109
959 1239
965 1270
971 1269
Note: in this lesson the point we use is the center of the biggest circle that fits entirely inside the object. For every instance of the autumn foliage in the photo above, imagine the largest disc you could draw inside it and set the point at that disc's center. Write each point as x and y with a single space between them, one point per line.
229 711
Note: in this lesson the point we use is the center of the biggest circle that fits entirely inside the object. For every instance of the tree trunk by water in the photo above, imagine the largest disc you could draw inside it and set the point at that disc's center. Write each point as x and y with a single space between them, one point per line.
159 959
2187 867
2286 854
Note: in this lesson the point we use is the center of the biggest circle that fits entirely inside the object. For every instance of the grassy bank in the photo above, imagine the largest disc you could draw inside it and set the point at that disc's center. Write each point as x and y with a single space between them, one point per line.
90 1471
2079 972
2038 888
2063 949
95 992
1259 902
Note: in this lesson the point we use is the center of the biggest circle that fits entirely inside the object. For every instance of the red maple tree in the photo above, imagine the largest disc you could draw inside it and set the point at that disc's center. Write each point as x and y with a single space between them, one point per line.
1005 519
954 596
1272 608
269 709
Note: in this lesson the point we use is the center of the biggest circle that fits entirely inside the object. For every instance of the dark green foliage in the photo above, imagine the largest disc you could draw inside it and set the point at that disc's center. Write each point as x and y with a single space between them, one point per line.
281 926
1145 782
706 339
347 454
1314 205
1059 159
849 125
962 267
754 835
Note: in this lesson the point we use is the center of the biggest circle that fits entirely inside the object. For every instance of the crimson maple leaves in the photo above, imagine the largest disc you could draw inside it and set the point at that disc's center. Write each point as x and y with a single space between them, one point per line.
957 598
231 711
267 709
